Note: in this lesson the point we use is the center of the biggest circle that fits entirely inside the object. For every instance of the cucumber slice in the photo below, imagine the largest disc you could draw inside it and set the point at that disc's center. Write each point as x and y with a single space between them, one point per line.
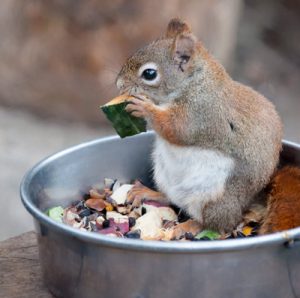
124 123
212 235
56 213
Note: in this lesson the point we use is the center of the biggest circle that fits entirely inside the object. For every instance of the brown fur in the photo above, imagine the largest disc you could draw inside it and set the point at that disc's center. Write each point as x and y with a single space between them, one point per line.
283 205
168 123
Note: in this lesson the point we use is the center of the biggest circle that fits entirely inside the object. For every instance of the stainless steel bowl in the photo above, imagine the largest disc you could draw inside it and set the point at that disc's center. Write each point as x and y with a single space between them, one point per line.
81 264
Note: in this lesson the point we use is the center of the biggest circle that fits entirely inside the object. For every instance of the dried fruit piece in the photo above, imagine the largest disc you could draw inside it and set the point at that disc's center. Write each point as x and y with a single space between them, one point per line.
123 122
120 195
149 225
247 231
97 204
56 213
166 213
109 207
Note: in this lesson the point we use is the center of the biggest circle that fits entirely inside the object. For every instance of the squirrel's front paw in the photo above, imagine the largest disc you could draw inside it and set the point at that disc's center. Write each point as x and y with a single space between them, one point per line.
140 192
140 106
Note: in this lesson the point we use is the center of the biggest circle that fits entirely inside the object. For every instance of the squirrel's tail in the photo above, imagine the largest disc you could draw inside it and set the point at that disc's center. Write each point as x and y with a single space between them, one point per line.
283 201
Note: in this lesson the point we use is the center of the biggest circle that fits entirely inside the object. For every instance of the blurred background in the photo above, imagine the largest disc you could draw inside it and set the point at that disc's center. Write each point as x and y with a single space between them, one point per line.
59 59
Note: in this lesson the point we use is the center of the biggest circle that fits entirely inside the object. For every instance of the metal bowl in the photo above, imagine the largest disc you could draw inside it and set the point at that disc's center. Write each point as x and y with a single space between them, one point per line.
82 264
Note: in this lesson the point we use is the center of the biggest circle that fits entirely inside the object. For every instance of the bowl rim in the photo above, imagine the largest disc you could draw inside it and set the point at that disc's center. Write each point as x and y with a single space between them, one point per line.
284 237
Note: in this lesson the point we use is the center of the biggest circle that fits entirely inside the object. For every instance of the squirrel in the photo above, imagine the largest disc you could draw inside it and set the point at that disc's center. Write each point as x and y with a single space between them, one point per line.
217 141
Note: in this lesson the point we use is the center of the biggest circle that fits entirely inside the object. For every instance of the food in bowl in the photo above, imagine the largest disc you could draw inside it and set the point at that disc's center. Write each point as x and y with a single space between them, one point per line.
106 211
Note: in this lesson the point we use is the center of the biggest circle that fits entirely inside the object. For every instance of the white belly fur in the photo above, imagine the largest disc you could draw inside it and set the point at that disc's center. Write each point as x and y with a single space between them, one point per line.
190 176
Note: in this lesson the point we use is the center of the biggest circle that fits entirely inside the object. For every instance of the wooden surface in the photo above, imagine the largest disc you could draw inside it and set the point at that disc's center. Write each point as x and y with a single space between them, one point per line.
20 273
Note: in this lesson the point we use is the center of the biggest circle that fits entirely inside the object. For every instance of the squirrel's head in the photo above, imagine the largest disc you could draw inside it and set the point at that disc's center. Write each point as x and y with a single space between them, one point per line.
163 69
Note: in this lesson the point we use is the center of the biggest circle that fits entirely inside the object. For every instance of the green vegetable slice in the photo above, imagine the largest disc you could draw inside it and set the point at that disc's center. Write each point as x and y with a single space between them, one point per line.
56 213
212 235
124 123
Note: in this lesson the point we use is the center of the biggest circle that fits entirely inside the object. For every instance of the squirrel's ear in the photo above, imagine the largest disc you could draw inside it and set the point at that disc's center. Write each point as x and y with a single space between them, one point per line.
177 26
184 48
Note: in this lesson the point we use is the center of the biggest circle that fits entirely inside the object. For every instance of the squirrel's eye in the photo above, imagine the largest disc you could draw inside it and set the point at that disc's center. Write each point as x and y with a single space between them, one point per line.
149 74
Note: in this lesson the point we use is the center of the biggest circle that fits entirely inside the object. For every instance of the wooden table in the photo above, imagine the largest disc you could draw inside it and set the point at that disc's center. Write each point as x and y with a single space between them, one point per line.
20 272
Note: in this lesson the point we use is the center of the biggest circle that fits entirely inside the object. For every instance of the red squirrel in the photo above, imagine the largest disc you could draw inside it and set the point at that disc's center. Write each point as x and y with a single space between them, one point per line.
217 140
